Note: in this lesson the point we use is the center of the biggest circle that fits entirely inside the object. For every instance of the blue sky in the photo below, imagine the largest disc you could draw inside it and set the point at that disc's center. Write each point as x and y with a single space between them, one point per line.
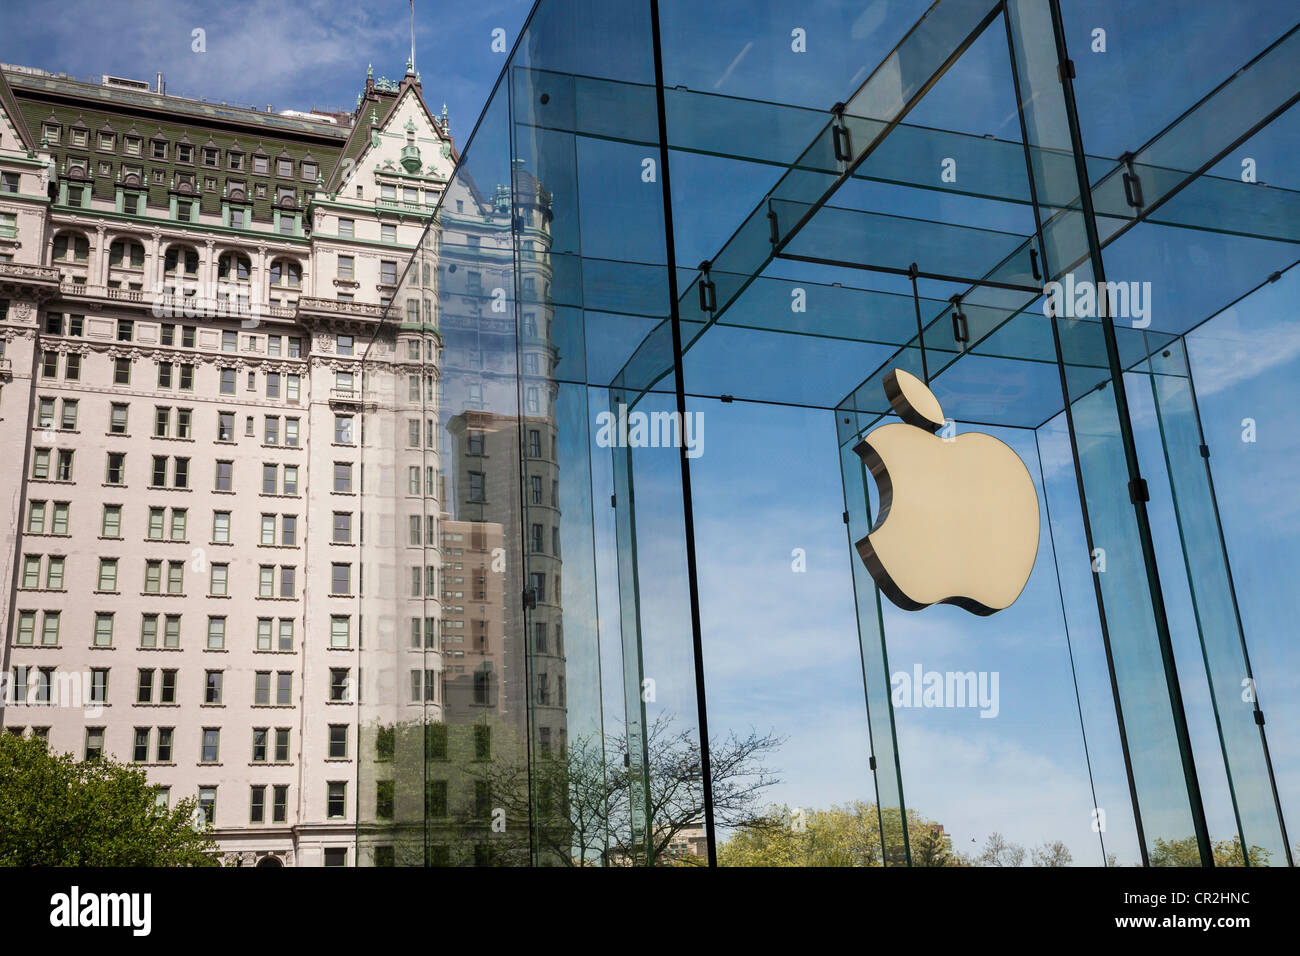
298 56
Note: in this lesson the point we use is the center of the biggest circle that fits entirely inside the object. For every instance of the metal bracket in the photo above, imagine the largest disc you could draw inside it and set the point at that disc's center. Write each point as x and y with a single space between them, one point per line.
840 135
708 291
1137 490
1132 183
1065 70
530 599
960 327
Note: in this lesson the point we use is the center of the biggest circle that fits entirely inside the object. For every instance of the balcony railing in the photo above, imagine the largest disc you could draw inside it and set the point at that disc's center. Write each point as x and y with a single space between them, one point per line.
22 272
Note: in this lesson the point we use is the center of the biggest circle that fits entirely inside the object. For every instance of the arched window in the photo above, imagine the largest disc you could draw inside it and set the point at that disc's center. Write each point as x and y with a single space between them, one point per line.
286 272
125 254
71 247
234 266
181 258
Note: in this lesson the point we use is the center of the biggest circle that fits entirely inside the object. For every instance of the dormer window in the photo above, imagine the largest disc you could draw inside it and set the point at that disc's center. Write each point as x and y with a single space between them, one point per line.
78 137
131 145
261 165
236 159
106 141
211 156
309 171
184 153
50 133
158 149
284 167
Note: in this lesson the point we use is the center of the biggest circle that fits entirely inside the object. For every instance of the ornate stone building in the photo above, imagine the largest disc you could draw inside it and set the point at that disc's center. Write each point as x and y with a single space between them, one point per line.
186 291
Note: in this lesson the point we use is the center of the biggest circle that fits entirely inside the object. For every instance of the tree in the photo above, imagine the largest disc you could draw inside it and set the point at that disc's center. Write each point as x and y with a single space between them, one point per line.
843 835
998 851
671 787
570 808
1055 853
1186 852
57 811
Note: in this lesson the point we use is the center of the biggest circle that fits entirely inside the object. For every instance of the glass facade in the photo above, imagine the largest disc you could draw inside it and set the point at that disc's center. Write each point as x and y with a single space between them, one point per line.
611 608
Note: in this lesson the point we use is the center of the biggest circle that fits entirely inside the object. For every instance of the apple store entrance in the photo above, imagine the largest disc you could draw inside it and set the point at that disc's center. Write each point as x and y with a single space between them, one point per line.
1012 629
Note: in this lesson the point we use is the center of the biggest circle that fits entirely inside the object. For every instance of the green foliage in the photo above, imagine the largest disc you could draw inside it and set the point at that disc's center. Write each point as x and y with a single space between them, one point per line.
56 811
844 835
1185 853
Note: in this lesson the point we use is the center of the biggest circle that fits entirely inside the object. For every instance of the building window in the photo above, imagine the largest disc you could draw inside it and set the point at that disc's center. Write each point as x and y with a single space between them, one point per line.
346 229
343 477
103 630
211 746
341 579
340 630
107 574
212 681
339 684
208 804
338 741
94 743
116 468
336 800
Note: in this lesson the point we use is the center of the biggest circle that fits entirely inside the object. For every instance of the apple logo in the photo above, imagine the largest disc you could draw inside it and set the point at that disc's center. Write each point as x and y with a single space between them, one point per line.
958 521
